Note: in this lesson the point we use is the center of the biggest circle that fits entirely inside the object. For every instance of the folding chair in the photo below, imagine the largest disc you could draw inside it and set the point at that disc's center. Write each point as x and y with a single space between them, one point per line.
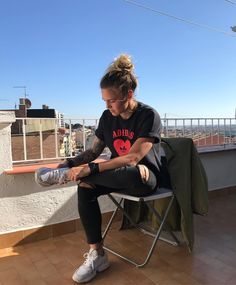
159 194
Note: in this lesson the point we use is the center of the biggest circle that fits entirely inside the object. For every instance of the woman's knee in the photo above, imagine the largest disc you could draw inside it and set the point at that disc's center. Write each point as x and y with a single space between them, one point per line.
144 172
86 185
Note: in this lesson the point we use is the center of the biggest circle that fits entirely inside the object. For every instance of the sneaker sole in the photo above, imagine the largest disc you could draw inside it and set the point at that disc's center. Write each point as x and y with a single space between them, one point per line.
104 267
84 280
100 269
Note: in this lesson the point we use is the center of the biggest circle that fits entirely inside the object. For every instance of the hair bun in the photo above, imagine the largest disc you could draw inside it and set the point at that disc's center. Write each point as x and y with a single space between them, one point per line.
121 64
120 75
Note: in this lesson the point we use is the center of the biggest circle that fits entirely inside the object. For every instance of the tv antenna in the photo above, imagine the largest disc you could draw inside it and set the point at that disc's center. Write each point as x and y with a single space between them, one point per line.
22 87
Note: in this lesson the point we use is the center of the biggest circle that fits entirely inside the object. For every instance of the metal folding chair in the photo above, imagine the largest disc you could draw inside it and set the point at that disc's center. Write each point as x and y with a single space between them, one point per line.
159 194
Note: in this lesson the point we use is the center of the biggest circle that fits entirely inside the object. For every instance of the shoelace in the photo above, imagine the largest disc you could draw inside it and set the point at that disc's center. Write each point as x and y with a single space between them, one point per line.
62 178
56 175
88 259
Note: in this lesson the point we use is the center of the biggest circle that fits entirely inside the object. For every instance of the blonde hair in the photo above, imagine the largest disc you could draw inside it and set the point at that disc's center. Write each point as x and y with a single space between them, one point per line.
120 75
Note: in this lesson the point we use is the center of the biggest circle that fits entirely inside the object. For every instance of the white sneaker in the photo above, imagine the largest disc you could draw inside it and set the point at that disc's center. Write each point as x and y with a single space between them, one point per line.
93 263
48 176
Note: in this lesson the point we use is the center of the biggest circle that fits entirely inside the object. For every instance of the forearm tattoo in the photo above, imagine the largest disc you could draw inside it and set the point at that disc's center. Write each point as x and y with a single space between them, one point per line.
90 154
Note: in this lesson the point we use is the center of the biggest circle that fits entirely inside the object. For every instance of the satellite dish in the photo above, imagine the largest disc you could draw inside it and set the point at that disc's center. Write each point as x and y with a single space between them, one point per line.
27 103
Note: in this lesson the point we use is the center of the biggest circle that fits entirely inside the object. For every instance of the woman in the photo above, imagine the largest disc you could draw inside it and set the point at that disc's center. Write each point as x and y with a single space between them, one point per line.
131 130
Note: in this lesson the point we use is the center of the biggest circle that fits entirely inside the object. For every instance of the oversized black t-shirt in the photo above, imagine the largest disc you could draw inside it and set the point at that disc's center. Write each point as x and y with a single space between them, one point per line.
119 134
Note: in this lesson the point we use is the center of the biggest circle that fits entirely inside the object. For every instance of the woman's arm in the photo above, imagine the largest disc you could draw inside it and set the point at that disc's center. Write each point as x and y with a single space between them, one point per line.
90 154
86 156
138 150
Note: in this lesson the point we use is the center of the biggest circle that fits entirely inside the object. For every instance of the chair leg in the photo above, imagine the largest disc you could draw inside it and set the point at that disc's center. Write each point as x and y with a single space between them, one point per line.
167 226
118 205
174 243
157 235
141 228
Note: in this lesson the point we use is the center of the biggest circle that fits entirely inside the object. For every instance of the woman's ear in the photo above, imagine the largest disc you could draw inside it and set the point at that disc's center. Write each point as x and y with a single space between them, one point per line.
130 94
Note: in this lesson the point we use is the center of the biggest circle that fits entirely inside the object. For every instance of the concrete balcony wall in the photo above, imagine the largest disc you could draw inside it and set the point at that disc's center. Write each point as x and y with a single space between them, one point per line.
25 205
220 166
6 119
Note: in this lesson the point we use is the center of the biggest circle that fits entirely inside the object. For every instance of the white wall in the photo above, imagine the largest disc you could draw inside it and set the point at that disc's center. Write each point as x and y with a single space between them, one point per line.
6 119
24 204
220 167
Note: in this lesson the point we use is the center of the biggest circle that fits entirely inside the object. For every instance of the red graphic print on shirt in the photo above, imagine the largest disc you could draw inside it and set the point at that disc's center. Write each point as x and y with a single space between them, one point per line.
123 133
122 147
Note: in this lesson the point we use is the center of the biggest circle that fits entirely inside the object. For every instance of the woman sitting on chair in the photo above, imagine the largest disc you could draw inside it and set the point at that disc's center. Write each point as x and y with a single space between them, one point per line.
131 131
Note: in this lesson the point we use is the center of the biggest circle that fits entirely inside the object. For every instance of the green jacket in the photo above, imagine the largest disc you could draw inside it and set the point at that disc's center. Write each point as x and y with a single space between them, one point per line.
189 183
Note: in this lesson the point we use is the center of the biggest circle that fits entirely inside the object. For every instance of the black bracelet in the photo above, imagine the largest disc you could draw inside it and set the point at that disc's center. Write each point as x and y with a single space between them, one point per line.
94 168
70 162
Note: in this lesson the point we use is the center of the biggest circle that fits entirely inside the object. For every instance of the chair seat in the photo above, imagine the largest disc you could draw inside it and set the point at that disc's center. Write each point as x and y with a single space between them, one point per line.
158 194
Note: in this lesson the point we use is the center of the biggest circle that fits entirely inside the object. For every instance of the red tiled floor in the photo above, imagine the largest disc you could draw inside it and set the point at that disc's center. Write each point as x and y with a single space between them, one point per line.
52 261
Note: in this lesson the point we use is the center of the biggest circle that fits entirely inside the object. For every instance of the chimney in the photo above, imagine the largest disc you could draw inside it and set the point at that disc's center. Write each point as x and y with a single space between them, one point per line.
22 105
22 108
22 101
45 106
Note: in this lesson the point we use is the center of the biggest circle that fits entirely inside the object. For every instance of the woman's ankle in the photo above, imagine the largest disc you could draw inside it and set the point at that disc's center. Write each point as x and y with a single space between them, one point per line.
98 247
100 251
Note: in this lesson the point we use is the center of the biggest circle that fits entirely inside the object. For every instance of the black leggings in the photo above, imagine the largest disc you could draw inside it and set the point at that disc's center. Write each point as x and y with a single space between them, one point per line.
126 179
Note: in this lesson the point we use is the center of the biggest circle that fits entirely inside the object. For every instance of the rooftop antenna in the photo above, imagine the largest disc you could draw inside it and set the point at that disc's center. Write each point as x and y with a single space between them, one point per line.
22 87
233 28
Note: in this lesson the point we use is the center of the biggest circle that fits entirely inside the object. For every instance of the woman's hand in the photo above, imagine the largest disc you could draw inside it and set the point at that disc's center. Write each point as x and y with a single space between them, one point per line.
62 165
76 173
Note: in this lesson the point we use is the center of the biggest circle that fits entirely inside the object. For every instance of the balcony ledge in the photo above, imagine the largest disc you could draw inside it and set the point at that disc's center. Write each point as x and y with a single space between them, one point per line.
216 148
30 168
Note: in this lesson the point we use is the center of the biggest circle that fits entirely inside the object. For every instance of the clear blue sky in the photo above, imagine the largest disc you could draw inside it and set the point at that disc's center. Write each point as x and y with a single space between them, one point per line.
60 49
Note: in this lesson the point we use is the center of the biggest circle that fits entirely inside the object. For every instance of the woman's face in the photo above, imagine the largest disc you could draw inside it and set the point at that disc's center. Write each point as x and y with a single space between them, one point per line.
115 102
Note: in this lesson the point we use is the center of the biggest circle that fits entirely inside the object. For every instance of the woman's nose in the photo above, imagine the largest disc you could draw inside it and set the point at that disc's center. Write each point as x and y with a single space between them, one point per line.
107 104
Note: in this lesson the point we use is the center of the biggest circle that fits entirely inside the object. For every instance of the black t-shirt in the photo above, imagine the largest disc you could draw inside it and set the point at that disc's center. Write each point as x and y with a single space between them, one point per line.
119 134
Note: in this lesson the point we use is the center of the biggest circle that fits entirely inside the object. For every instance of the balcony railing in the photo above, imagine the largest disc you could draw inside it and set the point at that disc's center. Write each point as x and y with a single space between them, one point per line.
203 131
38 139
